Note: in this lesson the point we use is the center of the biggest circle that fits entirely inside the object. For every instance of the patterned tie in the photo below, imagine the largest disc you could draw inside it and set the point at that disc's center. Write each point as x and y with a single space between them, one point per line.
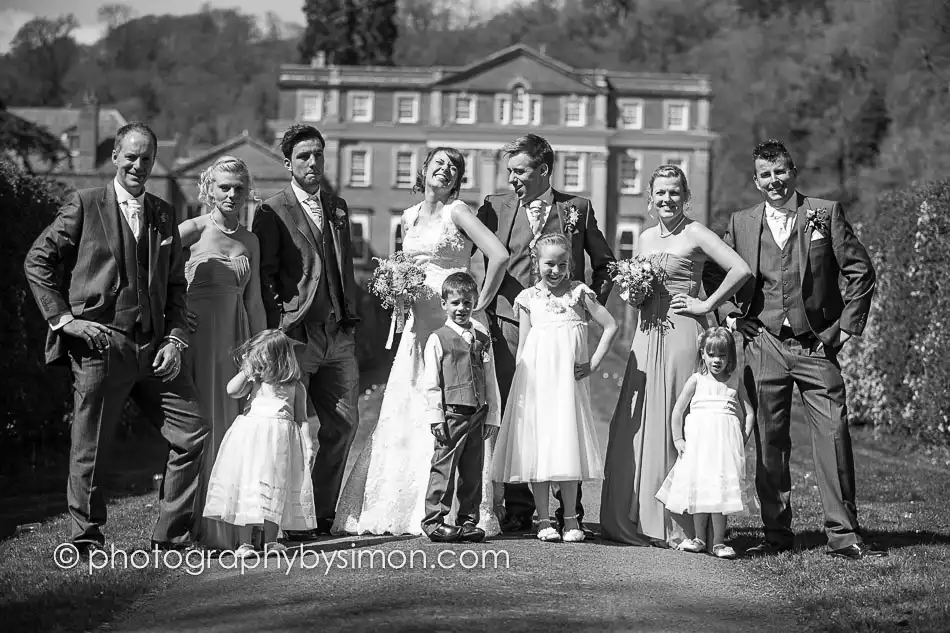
316 212
134 210
535 213
782 218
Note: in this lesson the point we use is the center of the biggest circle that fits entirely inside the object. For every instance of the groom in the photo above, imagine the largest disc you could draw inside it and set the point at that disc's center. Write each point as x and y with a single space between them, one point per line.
795 317
534 208
309 292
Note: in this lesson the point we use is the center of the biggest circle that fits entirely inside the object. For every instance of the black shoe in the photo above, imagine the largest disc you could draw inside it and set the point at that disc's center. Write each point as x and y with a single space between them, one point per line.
471 533
181 546
517 524
300 535
858 551
85 548
445 534
323 527
766 548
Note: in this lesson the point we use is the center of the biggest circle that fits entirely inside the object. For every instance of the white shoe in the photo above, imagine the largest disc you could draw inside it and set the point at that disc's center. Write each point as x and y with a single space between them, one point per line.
573 535
272 549
245 551
692 545
548 534
723 551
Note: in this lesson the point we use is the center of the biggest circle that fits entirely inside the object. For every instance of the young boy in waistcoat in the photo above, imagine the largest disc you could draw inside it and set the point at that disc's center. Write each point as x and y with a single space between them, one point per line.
458 368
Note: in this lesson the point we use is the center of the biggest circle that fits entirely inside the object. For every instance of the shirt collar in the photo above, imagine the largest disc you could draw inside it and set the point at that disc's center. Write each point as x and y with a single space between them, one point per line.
547 198
302 196
122 195
458 329
790 206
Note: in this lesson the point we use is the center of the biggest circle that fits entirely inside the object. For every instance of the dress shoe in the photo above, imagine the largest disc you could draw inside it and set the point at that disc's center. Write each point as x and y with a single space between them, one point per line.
517 524
858 551
181 546
299 535
471 533
445 534
323 527
767 548
85 548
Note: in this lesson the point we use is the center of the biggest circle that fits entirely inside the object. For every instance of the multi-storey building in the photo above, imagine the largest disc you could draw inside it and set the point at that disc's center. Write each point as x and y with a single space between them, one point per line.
609 130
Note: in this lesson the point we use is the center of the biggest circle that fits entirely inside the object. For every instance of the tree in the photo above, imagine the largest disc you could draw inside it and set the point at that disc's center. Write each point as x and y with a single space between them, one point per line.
350 32
376 32
43 51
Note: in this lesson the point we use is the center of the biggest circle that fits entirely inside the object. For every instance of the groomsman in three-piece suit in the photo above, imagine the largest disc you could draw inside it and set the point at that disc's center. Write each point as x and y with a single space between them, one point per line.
120 324
795 318
309 291
534 208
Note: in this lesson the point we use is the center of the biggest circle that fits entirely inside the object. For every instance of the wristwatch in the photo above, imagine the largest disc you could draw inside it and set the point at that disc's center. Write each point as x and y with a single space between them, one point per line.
178 343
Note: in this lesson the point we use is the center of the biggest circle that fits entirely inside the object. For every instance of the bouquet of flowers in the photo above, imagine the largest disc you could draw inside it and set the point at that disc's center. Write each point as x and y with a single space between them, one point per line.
398 282
636 277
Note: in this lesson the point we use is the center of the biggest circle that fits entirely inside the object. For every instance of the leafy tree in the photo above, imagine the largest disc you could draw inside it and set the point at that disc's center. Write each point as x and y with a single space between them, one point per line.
350 32
42 53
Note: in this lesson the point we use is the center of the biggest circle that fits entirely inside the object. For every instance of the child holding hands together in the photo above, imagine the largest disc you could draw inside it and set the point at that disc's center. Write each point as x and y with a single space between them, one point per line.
261 477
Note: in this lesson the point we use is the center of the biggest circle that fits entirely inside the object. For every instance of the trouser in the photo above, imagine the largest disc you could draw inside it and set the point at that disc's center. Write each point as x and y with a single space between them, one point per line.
774 365
102 381
462 456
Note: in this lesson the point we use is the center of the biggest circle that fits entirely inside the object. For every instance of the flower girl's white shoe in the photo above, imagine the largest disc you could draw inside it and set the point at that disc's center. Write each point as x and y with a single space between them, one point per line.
547 533
573 535
692 545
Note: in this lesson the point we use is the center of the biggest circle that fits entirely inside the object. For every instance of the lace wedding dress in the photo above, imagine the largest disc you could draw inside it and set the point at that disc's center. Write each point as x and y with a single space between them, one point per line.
385 492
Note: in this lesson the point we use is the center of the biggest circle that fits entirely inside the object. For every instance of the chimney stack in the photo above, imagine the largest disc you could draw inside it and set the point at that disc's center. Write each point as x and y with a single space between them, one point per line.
319 60
88 131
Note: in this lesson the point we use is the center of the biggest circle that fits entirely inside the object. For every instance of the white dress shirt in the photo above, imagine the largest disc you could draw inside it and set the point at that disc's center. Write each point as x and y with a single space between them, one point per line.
781 221
432 378
121 198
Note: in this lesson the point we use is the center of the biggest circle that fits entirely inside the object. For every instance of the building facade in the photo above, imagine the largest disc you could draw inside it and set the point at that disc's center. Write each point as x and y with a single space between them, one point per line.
609 130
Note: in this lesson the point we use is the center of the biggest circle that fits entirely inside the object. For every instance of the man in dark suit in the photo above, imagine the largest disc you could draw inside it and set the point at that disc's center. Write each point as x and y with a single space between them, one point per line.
795 319
534 208
120 323
309 291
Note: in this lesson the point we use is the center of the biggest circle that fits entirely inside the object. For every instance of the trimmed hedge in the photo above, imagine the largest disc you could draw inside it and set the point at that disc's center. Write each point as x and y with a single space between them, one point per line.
898 372
33 400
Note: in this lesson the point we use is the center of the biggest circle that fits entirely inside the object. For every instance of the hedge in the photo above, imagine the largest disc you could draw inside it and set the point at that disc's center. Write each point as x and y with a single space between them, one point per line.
33 400
897 372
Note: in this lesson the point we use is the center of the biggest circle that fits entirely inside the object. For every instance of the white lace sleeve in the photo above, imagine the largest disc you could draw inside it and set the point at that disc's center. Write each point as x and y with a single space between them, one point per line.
521 302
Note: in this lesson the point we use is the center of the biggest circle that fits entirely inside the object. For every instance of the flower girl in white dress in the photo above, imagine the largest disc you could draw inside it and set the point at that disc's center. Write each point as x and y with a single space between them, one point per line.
547 433
261 477
708 478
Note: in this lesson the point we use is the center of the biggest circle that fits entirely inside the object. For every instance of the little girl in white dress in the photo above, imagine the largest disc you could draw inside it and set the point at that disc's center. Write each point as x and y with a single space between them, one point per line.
708 479
261 477
547 434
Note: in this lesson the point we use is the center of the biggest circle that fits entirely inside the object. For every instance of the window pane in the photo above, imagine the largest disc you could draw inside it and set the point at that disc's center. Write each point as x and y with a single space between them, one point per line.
406 109
358 168
630 115
630 173
626 245
311 108
536 110
676 116
463 109
404 175
572 172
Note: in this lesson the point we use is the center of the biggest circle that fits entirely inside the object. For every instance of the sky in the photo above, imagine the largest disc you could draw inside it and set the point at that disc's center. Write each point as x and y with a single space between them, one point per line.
16 13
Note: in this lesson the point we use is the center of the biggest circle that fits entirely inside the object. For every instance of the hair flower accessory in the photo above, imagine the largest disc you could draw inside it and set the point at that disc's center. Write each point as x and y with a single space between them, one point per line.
818 220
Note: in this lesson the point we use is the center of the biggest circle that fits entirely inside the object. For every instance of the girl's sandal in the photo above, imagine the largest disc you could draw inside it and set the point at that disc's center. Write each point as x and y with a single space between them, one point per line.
548 534
573 535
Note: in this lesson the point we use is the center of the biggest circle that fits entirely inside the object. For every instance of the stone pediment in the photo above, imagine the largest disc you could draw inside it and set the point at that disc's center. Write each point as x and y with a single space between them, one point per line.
519 64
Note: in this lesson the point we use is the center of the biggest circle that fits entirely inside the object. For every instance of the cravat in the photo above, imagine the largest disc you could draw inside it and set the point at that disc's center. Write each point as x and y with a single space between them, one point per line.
535 212
316 212
134 209
782 220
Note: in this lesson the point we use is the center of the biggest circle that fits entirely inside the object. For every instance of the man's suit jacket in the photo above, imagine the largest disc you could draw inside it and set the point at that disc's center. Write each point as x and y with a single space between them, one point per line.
291 265
499 212
85 239
837 274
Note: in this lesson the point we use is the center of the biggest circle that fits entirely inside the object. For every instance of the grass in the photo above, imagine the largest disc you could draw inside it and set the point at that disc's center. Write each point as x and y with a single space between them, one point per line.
902 505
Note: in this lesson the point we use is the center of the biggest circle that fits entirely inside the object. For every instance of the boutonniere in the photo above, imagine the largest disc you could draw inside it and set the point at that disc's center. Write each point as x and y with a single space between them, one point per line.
818 220
570 220
339 217
485 358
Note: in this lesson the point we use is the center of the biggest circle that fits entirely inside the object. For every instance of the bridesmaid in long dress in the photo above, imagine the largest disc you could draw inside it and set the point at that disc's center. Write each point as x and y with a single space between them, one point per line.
663 355
224 298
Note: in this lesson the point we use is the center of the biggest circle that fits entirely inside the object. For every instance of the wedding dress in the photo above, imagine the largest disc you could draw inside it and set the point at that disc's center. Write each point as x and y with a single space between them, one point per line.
385 492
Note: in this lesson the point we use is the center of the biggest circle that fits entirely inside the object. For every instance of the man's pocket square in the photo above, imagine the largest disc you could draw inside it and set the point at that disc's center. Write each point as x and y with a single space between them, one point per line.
166 242
818 235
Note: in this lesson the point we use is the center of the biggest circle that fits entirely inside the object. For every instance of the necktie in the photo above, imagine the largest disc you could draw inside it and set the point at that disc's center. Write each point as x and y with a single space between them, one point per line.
782 219
134 210
468 337
316 212
535 213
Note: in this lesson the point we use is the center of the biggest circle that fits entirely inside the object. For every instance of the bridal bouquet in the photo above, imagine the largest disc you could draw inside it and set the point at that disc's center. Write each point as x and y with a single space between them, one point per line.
636 277
398 282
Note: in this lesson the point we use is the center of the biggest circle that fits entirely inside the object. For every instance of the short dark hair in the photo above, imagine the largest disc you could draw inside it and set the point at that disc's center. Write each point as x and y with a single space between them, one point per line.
771 150
536 147
134 126
297 133
460 283
455 157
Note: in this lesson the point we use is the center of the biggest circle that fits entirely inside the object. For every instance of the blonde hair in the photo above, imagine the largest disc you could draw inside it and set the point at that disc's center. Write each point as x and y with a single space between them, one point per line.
269 357
718 340
671 171
558 240
224 165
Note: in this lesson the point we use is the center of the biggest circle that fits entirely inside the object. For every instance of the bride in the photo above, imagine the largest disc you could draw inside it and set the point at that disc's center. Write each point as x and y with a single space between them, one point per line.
385 492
